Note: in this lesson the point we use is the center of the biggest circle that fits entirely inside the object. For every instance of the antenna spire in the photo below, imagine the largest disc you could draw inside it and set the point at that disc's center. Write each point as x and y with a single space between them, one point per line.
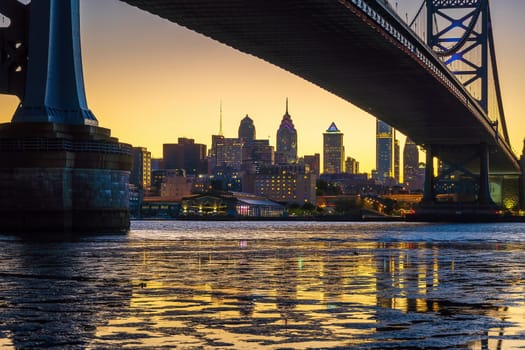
220 120
287 105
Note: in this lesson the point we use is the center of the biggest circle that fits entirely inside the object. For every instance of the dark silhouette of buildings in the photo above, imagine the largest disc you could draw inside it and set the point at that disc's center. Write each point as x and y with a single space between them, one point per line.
187 155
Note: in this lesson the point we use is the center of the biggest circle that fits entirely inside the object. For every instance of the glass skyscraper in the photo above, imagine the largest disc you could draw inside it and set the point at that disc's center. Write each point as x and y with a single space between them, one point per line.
385 136
333 150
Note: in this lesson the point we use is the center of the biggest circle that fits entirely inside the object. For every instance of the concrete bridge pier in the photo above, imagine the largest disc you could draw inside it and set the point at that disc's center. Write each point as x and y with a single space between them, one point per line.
59 171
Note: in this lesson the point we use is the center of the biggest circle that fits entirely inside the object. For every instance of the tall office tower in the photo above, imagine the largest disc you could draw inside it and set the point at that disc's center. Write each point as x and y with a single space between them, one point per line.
228 153
410 164
314 163
187 155
351 166
384 151
247 129
286 140
140 175
333 150
397 159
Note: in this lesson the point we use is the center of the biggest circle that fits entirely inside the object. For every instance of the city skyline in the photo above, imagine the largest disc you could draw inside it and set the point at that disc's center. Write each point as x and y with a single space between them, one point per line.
151 81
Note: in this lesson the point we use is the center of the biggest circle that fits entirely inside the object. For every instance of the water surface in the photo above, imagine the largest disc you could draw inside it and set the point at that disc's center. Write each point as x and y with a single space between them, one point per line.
268 285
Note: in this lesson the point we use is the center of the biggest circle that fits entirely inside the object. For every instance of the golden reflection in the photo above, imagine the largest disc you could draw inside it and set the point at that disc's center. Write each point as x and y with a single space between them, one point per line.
211 295
6 343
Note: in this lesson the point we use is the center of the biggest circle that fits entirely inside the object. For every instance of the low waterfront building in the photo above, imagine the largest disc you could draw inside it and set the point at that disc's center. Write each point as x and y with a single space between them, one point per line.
159 208
233 205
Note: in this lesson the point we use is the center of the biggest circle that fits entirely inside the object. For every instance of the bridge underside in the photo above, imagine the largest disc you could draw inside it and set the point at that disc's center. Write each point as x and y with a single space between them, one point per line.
331 44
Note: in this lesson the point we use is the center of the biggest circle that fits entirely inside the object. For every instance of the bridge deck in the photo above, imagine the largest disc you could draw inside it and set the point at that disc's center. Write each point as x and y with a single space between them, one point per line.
332 45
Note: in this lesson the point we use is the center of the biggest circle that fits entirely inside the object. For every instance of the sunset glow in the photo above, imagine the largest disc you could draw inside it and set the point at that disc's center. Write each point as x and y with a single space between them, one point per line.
151 81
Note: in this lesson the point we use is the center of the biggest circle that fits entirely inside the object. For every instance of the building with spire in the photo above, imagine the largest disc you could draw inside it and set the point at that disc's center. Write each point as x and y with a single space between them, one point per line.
333 151
247 129
286 140
215 139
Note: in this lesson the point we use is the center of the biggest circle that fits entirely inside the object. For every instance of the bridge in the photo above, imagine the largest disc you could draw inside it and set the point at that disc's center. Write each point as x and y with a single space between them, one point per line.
360 50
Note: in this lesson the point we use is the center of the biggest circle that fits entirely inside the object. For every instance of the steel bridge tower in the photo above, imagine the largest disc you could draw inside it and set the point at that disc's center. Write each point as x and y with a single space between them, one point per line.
59 171
460 33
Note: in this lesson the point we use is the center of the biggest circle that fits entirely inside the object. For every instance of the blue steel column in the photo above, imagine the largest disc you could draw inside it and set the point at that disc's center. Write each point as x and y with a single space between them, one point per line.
428 195
55 83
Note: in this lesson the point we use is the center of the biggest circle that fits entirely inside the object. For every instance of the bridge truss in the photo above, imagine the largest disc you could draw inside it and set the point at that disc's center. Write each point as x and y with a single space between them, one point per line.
460 33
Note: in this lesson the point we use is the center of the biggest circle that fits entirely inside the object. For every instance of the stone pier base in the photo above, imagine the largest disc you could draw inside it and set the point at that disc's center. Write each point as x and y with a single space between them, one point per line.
62 178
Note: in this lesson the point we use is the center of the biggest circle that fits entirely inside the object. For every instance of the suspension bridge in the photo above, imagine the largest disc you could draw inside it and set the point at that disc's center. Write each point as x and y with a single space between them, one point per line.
433 77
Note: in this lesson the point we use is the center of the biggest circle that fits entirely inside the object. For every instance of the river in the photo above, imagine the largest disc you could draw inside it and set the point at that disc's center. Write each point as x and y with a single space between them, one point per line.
268 285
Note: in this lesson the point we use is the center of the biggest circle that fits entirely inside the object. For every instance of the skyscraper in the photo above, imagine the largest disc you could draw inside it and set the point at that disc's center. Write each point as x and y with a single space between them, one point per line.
247 129
286 140
412 176
384 151
333 150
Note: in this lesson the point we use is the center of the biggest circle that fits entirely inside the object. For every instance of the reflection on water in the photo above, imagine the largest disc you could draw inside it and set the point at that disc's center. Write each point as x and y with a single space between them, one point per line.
274 286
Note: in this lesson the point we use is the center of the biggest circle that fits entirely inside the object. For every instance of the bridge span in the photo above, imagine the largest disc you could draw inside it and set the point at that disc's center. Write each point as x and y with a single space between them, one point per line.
59 170
358 50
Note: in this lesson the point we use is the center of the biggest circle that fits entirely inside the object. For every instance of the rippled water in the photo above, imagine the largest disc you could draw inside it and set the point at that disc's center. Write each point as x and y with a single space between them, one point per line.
271 285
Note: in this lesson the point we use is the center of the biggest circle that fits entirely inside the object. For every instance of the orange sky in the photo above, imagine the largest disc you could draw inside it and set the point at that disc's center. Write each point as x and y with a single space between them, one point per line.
151 81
